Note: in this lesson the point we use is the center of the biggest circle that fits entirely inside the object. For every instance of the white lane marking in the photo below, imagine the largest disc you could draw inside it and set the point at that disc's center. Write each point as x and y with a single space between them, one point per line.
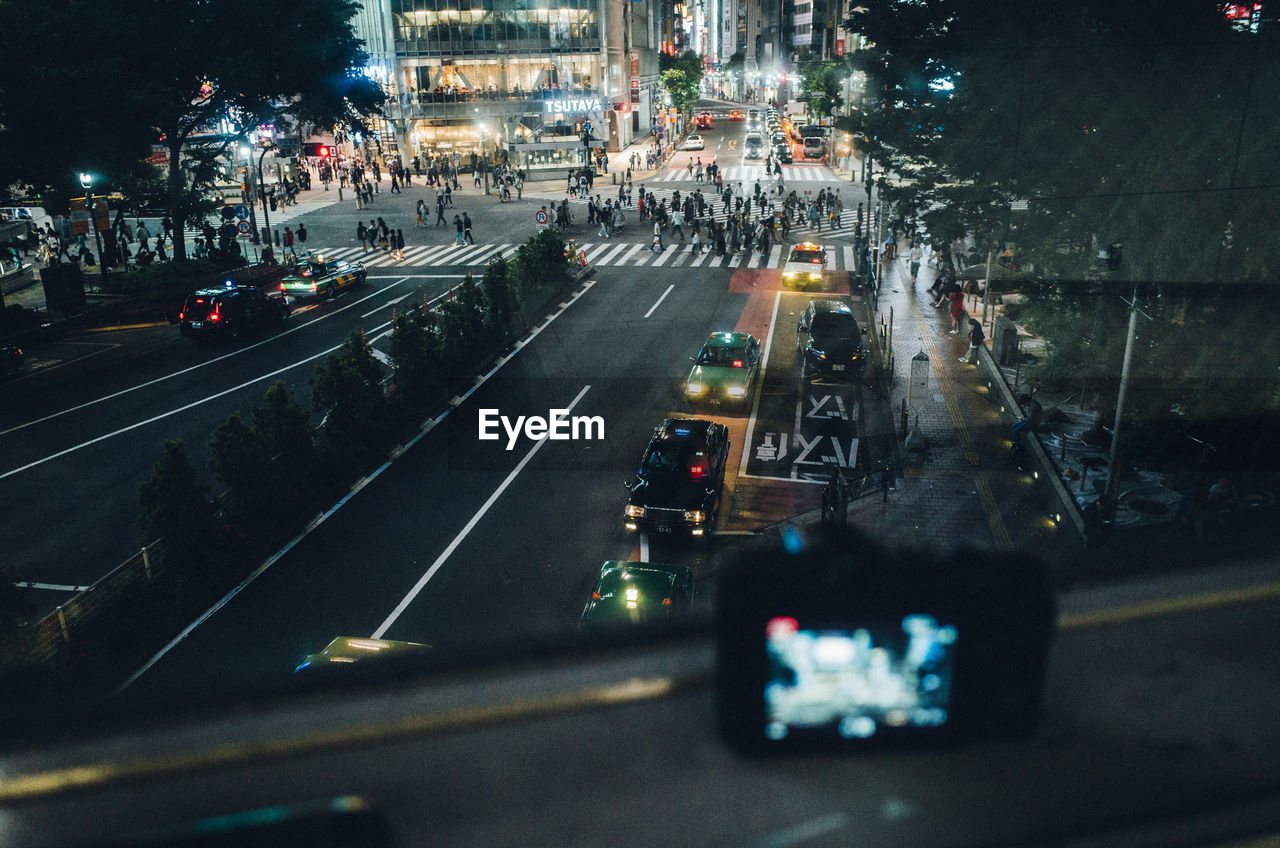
755 259
412 276
635 248
848 258
462 534
608 260
596 253
774 255
666 254
755 407
320 519
735 260
659 300
55 587
398 277
177 411
392 302
644 547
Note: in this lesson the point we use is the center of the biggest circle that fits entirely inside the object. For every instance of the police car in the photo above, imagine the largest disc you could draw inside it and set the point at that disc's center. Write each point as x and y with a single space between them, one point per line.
322 276
805 263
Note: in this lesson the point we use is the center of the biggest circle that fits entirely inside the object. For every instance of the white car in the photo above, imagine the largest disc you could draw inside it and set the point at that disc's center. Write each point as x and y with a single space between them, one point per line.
693 142
805 264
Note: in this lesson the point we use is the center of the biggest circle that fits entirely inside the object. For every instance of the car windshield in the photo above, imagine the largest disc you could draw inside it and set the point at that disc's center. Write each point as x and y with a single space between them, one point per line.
723 357
1056 224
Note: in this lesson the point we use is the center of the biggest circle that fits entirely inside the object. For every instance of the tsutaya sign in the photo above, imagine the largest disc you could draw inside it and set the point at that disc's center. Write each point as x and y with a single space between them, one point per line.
568 107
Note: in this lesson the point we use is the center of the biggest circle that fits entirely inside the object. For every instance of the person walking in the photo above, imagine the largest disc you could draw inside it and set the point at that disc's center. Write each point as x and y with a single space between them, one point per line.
288 243
457 225
976 337
695 243
957 309
657 237
422 212
400 245
677 222
362 234
466 228
914 256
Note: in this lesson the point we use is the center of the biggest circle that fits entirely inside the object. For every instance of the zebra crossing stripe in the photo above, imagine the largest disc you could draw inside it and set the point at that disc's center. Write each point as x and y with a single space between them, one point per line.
666 254
702 257
596 252
736 260
848 258
618 249
635 248
485 253
774 256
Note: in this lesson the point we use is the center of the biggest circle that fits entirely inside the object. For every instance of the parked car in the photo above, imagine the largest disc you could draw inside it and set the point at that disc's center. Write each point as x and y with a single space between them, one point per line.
231 311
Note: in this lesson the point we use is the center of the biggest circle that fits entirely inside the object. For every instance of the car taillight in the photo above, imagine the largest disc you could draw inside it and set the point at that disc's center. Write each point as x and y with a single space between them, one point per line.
595 596
737 363
182 315
696 471
666 602
214 316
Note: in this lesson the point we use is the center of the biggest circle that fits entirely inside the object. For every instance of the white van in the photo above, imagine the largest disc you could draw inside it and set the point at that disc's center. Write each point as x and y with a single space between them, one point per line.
754 145
814 147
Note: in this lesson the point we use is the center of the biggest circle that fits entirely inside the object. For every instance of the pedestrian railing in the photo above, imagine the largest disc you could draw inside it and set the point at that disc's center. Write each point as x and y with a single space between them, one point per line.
57 629
843 489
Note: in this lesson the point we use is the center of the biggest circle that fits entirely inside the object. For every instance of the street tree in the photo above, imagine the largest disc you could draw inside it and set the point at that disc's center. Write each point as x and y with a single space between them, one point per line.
182 76
681 77
820 85
175 507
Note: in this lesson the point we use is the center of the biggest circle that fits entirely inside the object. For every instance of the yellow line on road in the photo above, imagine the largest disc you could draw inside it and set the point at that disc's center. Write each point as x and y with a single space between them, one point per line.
115 327
1155 608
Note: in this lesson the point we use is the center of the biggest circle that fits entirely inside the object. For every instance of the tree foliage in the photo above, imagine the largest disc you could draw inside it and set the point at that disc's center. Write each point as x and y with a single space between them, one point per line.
347 391
1144 123
175 506
822 83
178 75
681 77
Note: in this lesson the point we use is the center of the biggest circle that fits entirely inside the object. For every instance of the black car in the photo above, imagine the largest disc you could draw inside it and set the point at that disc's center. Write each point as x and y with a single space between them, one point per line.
231 311
11 359
782 152
678 485
830 341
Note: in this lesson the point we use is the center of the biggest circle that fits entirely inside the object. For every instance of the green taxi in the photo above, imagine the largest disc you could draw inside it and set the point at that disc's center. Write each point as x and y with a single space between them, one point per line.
321 276
355 649
636 592
724 369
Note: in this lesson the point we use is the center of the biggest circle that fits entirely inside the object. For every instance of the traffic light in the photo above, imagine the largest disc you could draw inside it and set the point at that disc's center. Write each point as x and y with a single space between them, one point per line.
317 150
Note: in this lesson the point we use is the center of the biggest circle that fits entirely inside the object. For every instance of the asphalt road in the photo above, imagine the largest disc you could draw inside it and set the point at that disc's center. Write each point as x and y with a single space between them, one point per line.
80 431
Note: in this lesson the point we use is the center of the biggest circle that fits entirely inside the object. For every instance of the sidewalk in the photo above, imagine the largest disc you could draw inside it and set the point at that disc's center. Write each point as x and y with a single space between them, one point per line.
964 488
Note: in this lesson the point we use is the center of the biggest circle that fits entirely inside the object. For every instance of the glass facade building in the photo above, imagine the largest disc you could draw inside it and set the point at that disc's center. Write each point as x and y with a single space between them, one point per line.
500 77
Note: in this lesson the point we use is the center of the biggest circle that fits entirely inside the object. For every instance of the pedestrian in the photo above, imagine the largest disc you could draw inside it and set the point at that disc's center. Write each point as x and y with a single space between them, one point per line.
302 236
400 245
362 233
448 194
466 228
422 211
914 257
457 225
288 242
143 234
976 338
440 219
657 237
695 243
677 221
957 309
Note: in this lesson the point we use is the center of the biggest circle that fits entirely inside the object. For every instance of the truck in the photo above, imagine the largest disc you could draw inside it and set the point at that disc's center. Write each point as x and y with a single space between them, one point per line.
796 109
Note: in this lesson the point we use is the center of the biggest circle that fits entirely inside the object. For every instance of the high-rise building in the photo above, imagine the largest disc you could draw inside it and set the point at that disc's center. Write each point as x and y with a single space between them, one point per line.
519 80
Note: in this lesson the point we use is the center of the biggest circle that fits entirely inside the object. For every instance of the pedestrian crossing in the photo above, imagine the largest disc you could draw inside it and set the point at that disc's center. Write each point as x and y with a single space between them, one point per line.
600 254
749 174
845 228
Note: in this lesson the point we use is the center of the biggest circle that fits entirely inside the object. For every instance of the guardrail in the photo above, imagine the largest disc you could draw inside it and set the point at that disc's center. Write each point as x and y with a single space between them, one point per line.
841 491
77 615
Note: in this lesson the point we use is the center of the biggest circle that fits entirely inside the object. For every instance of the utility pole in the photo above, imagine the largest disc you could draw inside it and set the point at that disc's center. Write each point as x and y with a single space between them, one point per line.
1114 460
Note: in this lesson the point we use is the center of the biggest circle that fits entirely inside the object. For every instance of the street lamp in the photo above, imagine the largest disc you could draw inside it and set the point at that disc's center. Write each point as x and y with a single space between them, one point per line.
266 219
86 182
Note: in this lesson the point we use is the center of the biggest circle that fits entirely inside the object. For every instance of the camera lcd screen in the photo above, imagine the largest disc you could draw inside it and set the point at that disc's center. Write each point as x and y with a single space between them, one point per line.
878 678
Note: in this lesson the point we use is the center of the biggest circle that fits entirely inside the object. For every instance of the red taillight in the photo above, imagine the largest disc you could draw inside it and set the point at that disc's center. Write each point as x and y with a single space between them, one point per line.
695 471
282 287
737 363
595 596
666 602
181 315
817 262
214 316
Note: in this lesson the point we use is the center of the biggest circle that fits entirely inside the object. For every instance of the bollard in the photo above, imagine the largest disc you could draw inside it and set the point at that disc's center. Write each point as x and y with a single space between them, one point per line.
326 188
906 419
275 237
146 562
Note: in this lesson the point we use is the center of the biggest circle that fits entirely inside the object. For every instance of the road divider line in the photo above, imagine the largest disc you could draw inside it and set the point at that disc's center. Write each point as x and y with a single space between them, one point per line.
644 547
179 410
659 300
466 530
113 395
755 407
320 519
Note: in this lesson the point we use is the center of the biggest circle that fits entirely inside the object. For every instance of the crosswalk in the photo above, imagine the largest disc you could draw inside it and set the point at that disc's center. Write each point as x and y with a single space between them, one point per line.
749 174
600 254
844 229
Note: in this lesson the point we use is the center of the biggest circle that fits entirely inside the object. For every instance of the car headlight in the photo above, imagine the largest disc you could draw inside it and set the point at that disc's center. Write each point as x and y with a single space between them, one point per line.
633 511
736 391
818 353
815 275
696 388
694 516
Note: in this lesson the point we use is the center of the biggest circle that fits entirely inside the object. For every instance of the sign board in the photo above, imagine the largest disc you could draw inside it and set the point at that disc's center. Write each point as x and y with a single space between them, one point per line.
242 229
80 215
635 83
159 155
635 63
918 383
242 211
635 95
573 107
541 216
839 46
